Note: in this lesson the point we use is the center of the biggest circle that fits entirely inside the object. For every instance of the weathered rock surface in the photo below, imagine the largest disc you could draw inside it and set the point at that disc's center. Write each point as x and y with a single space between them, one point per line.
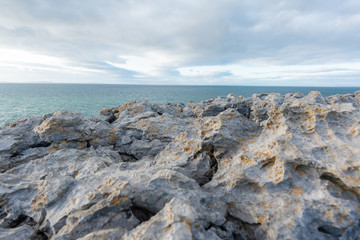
265 167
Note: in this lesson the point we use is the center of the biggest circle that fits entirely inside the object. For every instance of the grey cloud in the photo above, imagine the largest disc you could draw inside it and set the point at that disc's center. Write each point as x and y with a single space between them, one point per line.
201 32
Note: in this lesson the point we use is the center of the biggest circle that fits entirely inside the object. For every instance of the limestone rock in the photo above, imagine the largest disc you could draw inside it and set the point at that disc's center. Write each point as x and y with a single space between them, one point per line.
265 167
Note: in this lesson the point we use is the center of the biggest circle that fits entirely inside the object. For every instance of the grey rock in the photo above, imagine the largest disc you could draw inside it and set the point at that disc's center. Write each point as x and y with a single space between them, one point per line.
265 167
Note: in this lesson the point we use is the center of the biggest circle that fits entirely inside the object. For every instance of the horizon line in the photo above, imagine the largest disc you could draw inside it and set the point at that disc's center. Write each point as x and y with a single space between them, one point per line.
179 85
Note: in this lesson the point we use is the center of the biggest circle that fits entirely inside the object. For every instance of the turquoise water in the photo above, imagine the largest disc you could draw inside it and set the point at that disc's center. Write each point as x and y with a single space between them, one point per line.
23 100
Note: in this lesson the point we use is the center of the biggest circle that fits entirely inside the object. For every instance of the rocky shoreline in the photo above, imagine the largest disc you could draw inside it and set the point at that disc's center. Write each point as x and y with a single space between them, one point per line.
265 167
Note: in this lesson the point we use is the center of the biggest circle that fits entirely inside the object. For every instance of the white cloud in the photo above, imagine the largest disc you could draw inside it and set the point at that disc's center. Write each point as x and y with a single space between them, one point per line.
150 64
26 60
223 42
275 73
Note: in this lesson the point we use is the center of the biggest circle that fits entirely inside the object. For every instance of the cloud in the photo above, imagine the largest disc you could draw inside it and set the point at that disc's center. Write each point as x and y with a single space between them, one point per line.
223 42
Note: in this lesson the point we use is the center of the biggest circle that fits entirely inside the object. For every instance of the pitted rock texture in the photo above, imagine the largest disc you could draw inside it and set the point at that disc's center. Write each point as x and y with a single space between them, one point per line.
265 167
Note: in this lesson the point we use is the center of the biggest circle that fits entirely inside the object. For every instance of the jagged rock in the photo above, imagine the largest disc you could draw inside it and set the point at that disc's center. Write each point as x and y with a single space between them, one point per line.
17 137
265 167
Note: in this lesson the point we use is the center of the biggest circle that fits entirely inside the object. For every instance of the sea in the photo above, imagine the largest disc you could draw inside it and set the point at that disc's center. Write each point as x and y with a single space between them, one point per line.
19 101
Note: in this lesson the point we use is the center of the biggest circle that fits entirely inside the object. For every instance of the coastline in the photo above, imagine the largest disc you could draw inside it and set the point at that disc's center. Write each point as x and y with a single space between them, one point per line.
265 167
25 100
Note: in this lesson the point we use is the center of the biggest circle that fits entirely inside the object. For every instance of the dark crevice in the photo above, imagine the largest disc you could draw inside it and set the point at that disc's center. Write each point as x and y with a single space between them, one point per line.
244 230
208 227
87 206
141 213
209 150
333 231
213 163
88 143
41 144
15 154
160 113
3 215
111 119
126 157
268 163
39 235
222 228
338 182
21 220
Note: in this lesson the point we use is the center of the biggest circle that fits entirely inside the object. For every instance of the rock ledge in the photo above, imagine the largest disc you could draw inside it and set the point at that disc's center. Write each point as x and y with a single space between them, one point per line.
265 167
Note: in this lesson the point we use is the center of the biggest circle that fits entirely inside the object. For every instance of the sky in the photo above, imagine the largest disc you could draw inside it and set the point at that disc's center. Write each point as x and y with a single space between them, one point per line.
187 42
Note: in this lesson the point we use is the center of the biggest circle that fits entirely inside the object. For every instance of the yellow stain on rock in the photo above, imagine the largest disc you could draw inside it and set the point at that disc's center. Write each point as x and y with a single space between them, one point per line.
113 137
344 217
353 180
188 224
266 205
291 224
260 219
246 160
227 160
91 196
298 190
55 147
109 182
39 201
118 200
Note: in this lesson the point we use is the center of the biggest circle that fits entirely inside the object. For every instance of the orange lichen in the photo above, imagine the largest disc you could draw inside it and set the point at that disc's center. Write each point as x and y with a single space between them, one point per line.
260 219
187 149
39 201
279 179
329 214
344 217
298 190
266 205
118 200
188 224
109 182
353 180
113 137
55 147
113 191
246 160
291 224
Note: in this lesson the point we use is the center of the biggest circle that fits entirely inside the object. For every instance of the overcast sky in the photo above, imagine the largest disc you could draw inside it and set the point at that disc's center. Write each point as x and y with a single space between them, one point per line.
220 42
